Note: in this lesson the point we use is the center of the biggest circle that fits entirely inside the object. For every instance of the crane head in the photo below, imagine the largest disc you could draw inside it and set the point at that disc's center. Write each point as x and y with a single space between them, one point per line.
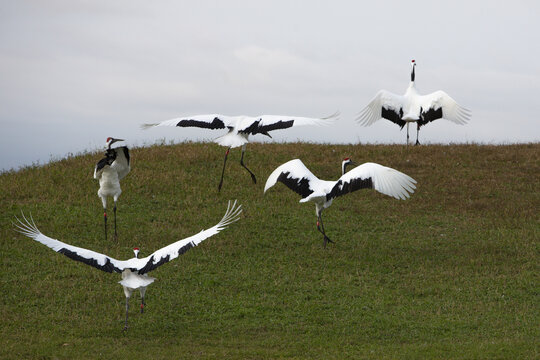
346 162
413 64
136 251
111 140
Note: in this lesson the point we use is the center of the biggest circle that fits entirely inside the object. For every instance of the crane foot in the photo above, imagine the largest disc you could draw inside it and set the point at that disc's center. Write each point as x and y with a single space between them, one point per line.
327 240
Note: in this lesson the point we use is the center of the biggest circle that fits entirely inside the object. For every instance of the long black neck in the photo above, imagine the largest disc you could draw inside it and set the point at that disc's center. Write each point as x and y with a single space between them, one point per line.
344 169
412 72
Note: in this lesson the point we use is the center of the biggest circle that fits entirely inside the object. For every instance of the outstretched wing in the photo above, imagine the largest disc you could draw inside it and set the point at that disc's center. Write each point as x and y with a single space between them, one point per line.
265 123
439 105
374 176
385 105
296 176
176 249
211 121
92 258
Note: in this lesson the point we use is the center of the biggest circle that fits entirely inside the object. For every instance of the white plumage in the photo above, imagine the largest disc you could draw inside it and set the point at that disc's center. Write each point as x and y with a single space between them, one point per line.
134 271
297 177
241 127
112 168
413 107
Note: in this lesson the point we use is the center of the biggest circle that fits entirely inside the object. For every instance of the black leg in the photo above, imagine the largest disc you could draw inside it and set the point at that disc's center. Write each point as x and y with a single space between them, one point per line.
417 132
105 220
127 308
115 233
245 167
407 133
321 225
223 171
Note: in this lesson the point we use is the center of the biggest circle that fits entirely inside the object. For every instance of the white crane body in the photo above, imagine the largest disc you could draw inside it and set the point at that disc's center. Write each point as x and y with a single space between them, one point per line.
413 108
134 271
297 177
112 168
241 127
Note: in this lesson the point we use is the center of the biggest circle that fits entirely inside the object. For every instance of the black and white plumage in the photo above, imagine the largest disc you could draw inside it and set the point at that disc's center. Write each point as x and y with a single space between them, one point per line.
134 271
241 127
413 107
297 177
112 168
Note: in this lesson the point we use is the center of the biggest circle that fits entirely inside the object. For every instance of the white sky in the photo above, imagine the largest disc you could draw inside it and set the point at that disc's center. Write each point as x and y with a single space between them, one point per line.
73 73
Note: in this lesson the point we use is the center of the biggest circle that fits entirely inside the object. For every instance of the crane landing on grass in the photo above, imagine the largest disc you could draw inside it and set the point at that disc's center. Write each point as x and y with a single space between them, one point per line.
134 271
241 127
109 171
297 177
413 107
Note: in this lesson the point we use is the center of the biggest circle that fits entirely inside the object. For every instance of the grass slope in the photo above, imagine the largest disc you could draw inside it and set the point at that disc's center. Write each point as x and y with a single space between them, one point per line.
450 273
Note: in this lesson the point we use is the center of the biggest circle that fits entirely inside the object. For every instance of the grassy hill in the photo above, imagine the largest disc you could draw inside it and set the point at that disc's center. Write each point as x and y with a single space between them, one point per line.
452 272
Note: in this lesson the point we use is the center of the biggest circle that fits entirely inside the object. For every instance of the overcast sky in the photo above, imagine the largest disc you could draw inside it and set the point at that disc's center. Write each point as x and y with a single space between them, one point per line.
73 73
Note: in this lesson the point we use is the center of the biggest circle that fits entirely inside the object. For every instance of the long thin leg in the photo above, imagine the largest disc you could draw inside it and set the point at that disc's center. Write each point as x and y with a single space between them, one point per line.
104 203
324 231
127 312
244 166
115 233
407 133
223 171
142 305
417 132
105 219
321 225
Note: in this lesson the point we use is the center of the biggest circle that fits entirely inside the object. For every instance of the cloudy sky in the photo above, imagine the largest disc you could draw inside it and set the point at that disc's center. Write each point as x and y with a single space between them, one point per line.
75 72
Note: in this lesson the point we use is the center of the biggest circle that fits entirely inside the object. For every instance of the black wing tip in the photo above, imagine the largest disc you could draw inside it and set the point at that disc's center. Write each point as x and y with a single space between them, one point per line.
298 185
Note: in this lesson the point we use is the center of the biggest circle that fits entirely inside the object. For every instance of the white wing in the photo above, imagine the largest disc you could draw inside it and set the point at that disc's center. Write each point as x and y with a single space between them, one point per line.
374 110
209 121
296 176
374 176
451 110
265 123
176 249
92 258
143 265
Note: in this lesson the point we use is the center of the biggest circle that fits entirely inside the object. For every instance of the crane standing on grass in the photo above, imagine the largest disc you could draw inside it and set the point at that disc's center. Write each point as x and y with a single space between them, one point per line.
413 107
109 171
241 127
297 177
134 271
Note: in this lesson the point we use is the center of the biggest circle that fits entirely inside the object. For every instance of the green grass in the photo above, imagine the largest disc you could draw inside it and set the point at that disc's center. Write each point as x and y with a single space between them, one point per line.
453 272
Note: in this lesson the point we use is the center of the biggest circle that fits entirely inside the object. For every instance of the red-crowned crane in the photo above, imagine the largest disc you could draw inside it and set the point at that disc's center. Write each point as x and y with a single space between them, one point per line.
134 271
241 127
297 177
112 168
413 107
